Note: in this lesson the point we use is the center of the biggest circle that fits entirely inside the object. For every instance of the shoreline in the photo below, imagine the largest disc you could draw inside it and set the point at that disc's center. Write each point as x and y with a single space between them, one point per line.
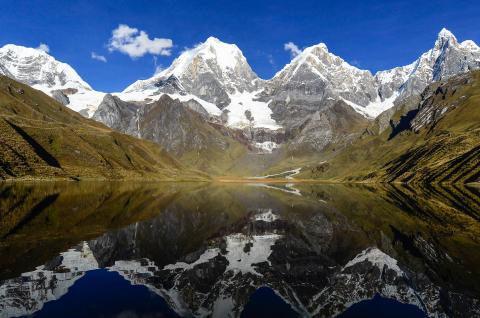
223 179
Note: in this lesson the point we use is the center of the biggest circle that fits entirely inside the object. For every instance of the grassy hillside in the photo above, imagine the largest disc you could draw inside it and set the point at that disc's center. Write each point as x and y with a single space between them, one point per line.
436 142
42 139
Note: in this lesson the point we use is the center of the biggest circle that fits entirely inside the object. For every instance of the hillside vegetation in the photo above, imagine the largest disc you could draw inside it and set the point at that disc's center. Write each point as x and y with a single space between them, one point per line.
42 139
438 141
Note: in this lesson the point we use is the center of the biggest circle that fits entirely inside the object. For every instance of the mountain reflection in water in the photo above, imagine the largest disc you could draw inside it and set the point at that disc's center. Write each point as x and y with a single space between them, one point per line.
171 249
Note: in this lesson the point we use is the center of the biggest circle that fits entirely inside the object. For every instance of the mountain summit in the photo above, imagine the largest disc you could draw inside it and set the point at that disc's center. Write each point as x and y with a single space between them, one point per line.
325 76
212 70
218 76
38 69
447 58
43 72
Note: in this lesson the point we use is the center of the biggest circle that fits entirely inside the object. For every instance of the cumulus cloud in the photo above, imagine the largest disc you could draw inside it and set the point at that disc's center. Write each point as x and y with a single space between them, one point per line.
98 57
136 43
43 47
293 48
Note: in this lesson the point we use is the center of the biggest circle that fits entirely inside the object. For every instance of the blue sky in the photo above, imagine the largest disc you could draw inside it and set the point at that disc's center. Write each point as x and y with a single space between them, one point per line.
372 35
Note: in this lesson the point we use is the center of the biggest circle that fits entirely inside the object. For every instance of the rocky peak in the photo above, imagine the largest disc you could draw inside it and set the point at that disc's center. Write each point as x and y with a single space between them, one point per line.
211 56
117 114
315 80
225 62
445 37
447 58
212 71
37 68
43 72
318 60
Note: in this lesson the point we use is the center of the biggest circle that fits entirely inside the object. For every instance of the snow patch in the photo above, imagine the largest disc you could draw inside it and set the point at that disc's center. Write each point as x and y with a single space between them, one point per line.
127 268
240 258
204 258
243 261
153 95
266 215
375 108
89 100
377 258
261 113
267 146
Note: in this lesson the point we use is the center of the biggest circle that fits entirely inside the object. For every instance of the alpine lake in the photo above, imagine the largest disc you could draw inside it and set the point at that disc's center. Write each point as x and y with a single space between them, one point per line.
127 249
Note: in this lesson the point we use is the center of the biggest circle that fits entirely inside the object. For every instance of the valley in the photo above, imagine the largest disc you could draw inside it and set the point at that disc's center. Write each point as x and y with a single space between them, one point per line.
213 117
240 159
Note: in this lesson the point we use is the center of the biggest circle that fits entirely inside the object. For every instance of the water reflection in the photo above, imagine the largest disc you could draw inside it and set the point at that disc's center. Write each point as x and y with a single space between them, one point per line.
216 250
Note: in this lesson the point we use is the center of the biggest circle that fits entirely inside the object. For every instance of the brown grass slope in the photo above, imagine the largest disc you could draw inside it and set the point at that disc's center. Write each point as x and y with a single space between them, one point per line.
42 139
436 142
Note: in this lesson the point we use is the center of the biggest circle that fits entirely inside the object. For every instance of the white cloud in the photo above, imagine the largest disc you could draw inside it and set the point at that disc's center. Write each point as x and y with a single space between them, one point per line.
293 48
43 47
98 57
136 43
158 67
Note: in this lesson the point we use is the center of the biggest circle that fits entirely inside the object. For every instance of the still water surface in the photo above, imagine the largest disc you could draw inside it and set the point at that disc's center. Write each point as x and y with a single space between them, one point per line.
186 250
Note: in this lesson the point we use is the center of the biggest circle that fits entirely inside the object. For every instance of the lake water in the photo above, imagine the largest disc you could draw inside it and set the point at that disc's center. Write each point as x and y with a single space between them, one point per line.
238 250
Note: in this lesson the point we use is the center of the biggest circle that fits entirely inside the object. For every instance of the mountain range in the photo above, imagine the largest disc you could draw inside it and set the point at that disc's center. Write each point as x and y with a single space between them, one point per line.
218 73
213 112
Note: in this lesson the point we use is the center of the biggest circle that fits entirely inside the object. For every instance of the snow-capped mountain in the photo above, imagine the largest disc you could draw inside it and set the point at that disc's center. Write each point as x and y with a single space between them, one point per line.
43 72
317 99
215 74
312 96
28 293
319 74
447 58
218 76
212 70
